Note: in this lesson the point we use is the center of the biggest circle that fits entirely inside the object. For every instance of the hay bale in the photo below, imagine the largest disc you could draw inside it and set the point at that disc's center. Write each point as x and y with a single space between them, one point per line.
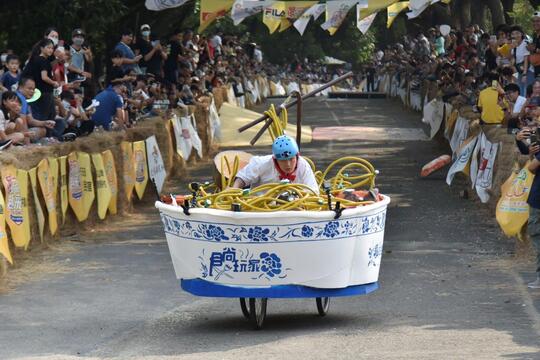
219 96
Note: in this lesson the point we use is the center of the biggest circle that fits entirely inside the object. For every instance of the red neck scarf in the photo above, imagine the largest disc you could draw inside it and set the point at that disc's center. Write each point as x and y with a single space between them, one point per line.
282 176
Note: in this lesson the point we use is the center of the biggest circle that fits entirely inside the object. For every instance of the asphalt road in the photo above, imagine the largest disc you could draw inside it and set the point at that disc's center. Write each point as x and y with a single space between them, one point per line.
451 287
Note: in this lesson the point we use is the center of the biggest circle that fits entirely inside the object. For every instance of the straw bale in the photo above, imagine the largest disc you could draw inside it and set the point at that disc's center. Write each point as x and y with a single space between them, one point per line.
219 96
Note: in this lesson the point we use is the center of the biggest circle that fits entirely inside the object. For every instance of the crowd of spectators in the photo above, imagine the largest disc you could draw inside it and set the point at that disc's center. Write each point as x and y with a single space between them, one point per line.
498 75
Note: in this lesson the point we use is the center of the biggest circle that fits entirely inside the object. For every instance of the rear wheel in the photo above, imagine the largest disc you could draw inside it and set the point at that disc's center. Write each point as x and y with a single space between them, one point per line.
257 311
323 304
244 307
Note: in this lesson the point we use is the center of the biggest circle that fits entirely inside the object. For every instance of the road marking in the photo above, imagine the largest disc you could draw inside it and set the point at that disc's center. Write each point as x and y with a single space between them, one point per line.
333 114
342 133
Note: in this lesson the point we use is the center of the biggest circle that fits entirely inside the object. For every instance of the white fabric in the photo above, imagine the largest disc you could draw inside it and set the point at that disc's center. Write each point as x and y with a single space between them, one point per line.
231 99
157 5
280 90
364 24
518 106
463 156
156 167
215 122
261 170
291 87
258 55
3 121
460 134
433 116
336 11
182 136
484 179
195 139
313 12
241 9
241 100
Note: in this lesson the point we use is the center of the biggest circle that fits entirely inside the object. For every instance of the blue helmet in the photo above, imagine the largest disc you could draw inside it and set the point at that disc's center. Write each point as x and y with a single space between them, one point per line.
284 148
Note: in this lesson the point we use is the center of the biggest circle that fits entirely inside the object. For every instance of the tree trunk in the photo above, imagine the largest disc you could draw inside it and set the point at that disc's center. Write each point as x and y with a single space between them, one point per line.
497 13
479 14
443 15
462 11
508 7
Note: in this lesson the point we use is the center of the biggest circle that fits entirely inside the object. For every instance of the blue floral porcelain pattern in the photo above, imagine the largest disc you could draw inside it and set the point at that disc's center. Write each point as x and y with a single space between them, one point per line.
320 230
374 253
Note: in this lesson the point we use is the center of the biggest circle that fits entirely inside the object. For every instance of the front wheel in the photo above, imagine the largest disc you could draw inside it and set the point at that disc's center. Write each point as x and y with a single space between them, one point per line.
244 307
257 311
323 304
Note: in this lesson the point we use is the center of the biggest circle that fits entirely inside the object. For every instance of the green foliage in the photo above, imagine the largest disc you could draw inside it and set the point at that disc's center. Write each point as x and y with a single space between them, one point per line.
522 15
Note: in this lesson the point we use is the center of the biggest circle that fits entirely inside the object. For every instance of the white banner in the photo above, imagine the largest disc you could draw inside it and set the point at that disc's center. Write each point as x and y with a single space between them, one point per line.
158 5
460 134
463 157
484 179
433 116
215 122
313 12
182 137
241 9
474 164
336 11
156 168
365 23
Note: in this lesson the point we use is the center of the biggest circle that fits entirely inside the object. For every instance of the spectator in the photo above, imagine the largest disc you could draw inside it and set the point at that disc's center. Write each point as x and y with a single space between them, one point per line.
10 78
12 127
520 58
81 55
489 104
129 60
171 63
152 51
110 107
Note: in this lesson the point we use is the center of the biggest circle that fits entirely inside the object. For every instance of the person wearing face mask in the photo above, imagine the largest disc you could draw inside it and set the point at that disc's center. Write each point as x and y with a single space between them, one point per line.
153 53
80 55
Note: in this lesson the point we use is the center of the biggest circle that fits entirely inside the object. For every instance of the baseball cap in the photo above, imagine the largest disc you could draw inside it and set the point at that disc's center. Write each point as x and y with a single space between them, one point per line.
145 26
536 14
77 32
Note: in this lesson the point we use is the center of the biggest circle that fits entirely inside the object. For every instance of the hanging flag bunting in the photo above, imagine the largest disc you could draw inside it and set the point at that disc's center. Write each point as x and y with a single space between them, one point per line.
102 186
212 10
4 245
418 6
293 10
89 194
313 12
484 178
39 209
394 10
158 5
110 173
242 9
374 6
141 168
336 12
462 161
64 195
75 187
156 168
129 170
273 14
16 210
365 23
48 183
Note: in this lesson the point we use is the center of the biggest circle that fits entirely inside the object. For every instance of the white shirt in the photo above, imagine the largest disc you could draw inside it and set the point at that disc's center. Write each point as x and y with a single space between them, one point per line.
518 105
261 170
257 54
3 121
521 51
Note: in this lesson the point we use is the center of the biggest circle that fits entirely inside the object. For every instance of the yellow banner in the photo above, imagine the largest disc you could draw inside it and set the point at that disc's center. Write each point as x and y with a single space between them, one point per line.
87 182
141 167
47 173
212 10
4 246
102 186
274 14
110 173
16 186
75 188
129 170
394 10
373 7
64 196
37 203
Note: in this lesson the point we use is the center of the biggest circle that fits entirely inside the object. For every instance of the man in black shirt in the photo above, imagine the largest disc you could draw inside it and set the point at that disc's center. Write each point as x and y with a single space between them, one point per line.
174 53
152 52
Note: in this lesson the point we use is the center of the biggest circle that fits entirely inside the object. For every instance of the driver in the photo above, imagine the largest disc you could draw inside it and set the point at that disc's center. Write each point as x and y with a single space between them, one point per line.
285 164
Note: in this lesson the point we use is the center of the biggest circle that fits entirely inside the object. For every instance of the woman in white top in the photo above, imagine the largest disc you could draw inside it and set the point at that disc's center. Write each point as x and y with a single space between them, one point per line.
285 163
520 59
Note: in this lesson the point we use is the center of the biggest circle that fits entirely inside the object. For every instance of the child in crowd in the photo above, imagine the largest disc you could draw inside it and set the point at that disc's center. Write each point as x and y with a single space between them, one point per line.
10 78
